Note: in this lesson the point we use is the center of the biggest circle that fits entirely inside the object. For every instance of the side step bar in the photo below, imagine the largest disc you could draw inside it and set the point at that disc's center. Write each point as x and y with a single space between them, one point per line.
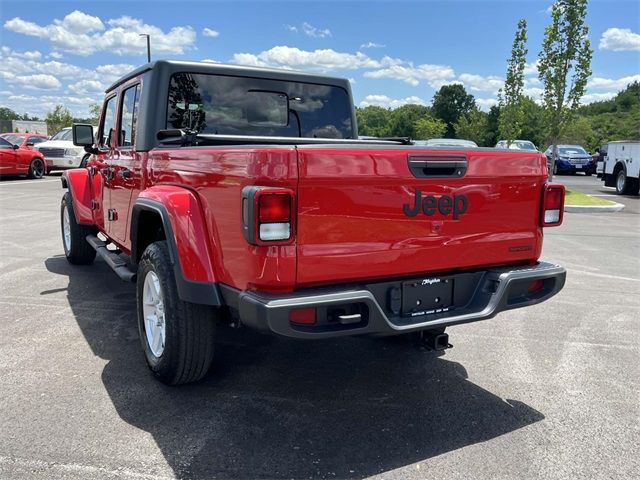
114 260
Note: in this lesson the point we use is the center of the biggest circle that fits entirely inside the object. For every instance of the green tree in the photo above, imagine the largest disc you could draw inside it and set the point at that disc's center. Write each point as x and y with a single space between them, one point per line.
450 103
57 119
8 114
579 132
566 55
373 121
472 126
493 133
429 127
512 111
404 118
533 125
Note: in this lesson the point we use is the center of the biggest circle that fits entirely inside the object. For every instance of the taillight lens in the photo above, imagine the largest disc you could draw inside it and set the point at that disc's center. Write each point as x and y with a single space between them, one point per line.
267 215
552 204
274 207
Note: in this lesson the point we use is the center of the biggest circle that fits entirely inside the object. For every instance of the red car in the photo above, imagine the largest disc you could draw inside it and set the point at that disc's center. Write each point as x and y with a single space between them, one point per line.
18 157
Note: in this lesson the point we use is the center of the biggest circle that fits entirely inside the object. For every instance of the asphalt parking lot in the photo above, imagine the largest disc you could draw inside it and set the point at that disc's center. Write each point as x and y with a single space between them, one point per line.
550 391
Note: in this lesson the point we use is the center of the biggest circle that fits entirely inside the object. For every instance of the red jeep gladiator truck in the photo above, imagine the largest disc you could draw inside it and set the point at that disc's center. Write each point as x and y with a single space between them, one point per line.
244 195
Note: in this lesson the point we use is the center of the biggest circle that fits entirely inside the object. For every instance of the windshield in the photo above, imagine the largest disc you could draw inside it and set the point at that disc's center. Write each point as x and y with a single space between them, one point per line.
571 150
229 105
63 135
15 139
522 145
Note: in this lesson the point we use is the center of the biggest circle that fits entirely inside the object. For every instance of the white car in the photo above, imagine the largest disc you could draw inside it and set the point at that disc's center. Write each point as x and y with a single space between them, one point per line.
60 153
516 145
446 142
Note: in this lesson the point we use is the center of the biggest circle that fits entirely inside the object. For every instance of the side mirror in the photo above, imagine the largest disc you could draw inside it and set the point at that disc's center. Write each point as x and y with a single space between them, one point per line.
82 134
15 147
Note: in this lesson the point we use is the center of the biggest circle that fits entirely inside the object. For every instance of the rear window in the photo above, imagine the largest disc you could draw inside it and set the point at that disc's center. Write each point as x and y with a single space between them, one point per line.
228 105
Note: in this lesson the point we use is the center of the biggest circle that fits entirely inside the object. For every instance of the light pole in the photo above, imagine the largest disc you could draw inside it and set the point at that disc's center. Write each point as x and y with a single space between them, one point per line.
148 45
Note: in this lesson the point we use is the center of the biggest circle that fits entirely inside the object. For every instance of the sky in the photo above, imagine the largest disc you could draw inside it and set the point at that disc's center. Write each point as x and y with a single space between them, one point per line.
61 52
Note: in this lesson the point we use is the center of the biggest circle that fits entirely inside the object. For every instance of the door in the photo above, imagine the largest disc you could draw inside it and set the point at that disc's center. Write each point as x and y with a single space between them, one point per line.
125 164
99 165
7 157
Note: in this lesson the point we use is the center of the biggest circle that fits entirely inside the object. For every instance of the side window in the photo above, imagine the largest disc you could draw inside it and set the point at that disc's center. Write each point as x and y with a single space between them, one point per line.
107 137
129 116
5 145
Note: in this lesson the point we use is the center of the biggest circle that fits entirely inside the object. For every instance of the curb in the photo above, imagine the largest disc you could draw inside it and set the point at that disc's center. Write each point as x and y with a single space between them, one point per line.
616 207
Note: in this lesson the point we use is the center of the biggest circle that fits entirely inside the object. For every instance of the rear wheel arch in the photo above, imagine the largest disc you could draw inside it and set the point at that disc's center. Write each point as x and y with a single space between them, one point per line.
150 222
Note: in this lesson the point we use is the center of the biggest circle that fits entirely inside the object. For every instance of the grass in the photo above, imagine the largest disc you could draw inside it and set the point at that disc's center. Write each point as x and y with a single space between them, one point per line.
577 198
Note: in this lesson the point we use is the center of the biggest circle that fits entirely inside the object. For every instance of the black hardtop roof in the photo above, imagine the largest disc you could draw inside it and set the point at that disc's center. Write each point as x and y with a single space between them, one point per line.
175 66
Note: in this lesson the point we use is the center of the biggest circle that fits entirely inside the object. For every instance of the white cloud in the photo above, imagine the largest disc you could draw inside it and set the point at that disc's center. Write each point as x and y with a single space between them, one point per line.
209 60
38 81
612 83
113 71
533 92
478 83
294 58
372 45
34 55
207 32
309 30
597 97
56 55
486 103
388 102
40 105
619 40
84 87
83 34
531 68
434 75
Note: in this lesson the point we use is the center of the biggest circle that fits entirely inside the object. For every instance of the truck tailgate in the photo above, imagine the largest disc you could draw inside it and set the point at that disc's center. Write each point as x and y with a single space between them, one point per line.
359 218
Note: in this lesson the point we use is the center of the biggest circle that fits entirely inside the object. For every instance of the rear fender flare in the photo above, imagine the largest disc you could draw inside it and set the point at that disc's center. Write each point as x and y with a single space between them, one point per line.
187 239
79 184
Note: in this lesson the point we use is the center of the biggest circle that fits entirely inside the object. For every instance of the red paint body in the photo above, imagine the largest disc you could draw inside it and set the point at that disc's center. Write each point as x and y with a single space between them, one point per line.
17 162
349 208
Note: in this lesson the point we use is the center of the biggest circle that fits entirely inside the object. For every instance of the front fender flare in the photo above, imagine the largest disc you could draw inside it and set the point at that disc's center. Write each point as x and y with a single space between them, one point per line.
79 184
187 239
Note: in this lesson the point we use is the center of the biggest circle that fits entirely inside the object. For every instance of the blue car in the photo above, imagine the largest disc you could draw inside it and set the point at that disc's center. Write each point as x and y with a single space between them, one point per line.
571 159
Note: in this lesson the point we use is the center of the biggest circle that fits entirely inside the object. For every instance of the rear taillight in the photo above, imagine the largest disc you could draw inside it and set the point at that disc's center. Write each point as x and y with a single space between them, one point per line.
552 204
267 215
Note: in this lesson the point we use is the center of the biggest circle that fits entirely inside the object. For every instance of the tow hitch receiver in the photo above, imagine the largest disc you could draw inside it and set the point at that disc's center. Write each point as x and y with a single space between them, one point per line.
434 340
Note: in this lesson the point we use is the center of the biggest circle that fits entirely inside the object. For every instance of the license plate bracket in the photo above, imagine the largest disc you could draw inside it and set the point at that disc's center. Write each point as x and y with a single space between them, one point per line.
426 295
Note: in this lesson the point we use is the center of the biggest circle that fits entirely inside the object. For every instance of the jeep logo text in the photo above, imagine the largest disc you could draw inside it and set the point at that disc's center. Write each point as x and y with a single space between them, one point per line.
446 205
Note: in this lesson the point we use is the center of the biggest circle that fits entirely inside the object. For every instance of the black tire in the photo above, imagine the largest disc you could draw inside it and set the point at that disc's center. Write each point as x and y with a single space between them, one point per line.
83 162
36 168
588 174
76 248
625 185
189 329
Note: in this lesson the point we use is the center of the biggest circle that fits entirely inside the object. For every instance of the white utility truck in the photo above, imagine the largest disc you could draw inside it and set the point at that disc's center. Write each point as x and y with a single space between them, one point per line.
622 166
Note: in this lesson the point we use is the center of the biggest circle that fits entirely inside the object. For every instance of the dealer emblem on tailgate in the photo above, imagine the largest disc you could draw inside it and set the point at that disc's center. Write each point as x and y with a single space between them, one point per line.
446 205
